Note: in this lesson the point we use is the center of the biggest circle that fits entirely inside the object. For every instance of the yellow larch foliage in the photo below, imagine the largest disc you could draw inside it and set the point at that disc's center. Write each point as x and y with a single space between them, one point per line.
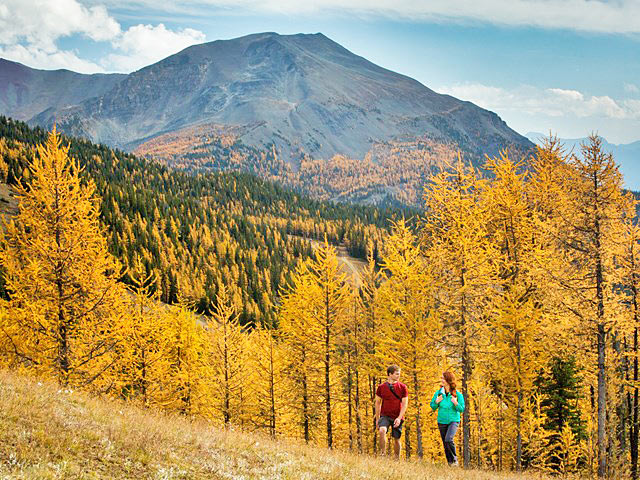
228 360
301 360
586 219
411 333
66 304
189 383
266 380
456 245
145 344
329 308
516 323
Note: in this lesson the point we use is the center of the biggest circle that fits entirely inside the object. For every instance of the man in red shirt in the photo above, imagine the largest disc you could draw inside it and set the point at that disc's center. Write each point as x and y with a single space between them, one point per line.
392 398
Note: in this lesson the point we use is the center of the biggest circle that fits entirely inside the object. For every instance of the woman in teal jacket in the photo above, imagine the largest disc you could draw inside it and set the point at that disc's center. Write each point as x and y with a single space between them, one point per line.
450 404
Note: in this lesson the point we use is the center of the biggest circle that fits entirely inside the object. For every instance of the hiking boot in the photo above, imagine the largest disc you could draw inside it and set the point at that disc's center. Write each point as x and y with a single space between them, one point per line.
455 464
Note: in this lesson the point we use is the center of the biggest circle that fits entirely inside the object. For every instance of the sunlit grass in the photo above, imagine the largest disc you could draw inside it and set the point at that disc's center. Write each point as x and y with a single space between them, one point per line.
49 433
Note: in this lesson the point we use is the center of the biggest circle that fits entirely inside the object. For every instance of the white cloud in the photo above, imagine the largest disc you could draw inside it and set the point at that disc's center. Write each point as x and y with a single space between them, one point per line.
145 44
41 22
554 102
48 60
567 112
616 17
571 95
30 31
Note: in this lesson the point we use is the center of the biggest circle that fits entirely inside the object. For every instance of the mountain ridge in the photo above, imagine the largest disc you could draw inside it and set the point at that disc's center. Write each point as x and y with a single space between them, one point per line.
26 92
305 94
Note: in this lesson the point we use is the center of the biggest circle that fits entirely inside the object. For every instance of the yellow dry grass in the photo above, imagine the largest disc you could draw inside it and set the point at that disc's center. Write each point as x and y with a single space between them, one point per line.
49 433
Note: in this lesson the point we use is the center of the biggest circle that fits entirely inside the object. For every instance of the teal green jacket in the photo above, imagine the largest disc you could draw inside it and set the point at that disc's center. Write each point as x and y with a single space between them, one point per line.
447 411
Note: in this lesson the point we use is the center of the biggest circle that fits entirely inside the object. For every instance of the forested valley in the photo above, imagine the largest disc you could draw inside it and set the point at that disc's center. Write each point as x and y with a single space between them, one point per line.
195 232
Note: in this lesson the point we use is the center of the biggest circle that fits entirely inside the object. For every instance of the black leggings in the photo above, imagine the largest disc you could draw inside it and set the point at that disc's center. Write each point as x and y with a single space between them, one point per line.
447 432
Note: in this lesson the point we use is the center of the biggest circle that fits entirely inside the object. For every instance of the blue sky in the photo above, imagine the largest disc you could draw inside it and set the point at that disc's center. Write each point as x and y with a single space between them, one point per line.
570 67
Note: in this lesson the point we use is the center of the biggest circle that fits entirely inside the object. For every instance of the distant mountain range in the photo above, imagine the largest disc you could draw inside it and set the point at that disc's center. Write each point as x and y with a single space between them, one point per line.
304 94
26 92
626 155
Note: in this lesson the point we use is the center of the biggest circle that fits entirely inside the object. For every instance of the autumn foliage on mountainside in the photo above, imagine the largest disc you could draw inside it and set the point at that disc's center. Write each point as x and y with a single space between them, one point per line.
391 172
523 282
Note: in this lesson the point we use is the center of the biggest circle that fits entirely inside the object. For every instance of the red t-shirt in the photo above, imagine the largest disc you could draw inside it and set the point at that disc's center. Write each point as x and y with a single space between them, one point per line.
390 403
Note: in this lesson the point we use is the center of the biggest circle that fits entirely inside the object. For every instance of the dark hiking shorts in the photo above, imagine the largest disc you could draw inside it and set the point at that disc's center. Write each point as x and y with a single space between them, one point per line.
388 422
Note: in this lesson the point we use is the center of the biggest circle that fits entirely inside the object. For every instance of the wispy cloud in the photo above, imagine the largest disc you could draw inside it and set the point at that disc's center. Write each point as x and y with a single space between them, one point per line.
603 16
31 29
554 102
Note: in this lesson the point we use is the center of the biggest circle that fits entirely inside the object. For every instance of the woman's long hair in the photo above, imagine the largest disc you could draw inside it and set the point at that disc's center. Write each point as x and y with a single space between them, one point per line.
451 380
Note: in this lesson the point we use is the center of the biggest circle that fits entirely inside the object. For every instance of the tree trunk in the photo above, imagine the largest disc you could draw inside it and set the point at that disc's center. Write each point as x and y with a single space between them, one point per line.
633 407
143 382
227 394
602 403
305 399
519 409
466 374
349 404
272 389
479 422
407 443
416 385
358 419
63 332
373 385
623 413
327 370
500 430
602 345
466 428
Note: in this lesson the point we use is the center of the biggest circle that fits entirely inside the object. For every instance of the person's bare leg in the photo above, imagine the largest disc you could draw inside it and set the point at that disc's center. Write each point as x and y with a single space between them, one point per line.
382 437
396 447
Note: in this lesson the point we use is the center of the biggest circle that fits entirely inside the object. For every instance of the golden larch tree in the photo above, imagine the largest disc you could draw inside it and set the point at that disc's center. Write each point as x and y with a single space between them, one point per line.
228 360
65 302
586 214
145 343
454 237
302 360
516 321
411 329
373 360
328 314
266 369
191 378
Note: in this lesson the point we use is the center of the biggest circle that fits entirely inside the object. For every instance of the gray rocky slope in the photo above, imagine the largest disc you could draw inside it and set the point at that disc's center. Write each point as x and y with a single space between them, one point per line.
26 92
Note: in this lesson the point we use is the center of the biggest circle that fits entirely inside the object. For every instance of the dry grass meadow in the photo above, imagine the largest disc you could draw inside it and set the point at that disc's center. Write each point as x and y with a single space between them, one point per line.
49 433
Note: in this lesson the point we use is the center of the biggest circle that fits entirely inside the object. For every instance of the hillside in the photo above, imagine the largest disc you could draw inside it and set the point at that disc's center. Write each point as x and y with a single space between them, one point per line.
195 232
47 432
309 370
391 173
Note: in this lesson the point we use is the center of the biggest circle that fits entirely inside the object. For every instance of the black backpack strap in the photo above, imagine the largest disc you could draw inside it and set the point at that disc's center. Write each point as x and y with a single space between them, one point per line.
393 391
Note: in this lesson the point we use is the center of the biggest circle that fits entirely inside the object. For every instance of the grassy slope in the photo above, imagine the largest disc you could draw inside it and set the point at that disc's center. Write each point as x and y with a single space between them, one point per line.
46 432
